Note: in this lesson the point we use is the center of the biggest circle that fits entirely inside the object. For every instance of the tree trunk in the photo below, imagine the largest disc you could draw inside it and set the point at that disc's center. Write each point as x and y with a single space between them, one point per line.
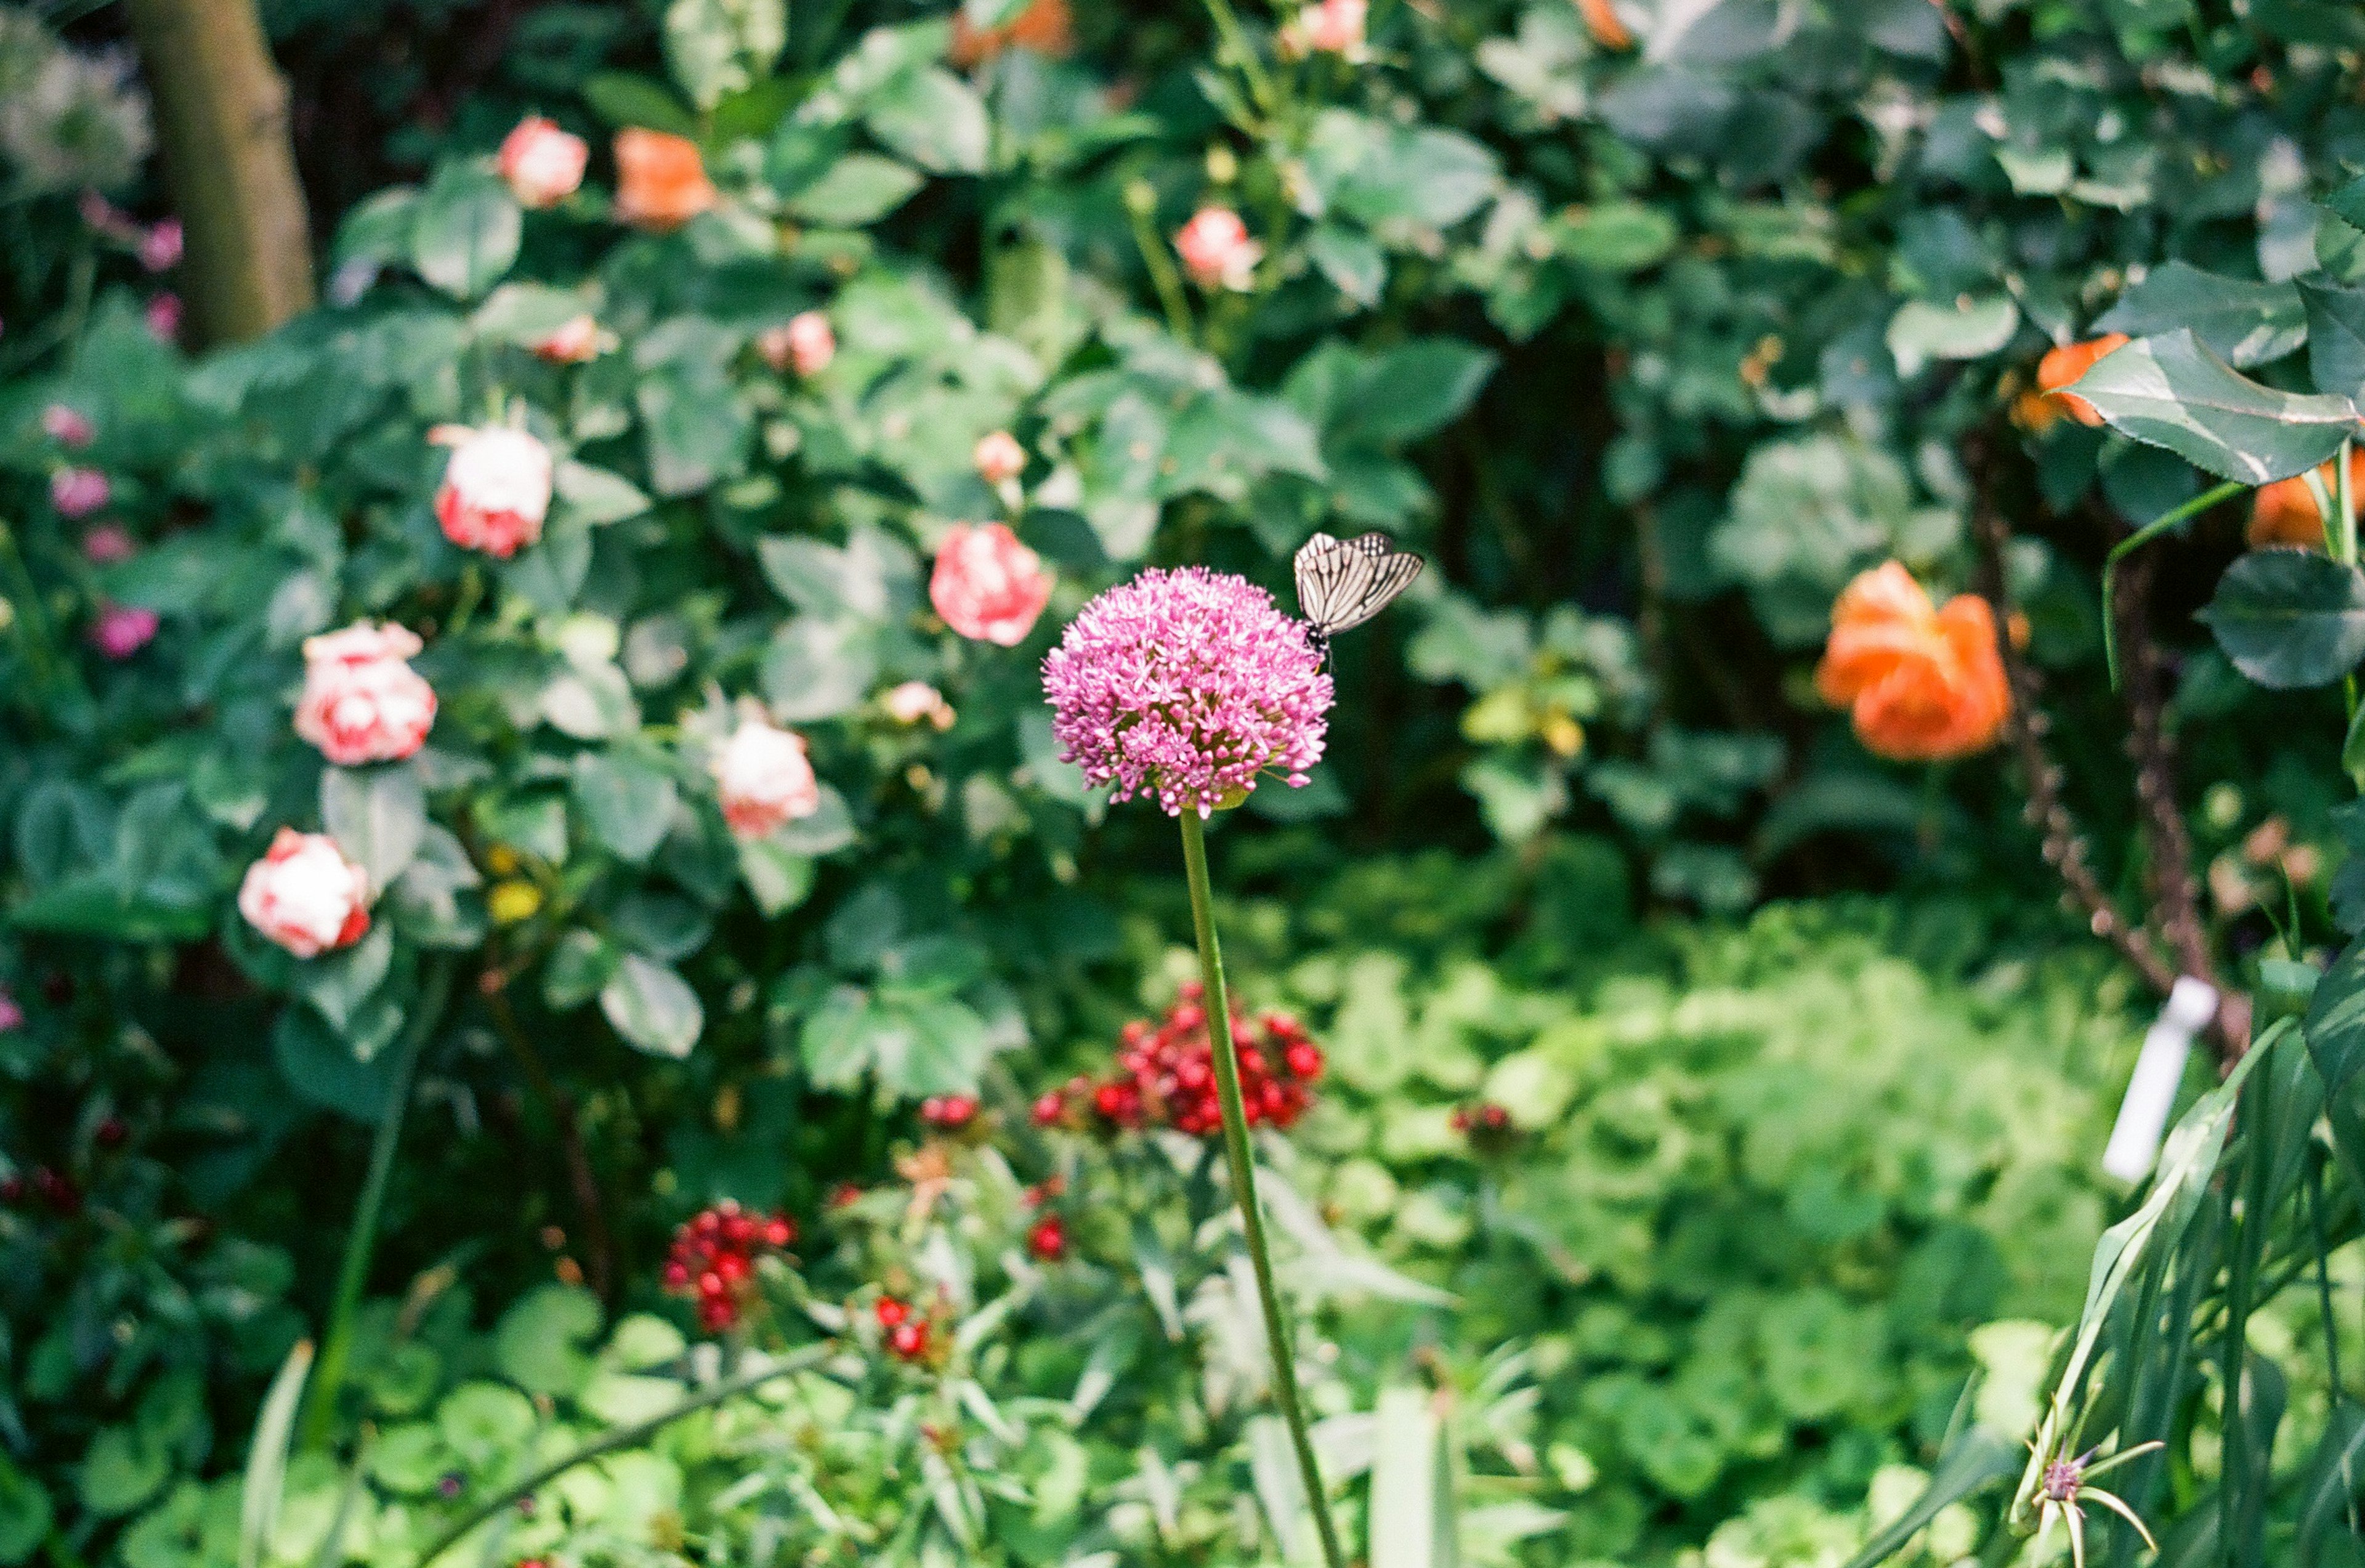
221 119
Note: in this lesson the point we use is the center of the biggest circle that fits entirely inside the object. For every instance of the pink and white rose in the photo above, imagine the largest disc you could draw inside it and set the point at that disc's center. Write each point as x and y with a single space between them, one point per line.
361 701
305 895
160 247
122 630
1330 27
764 779
573 342
109 544
805 343
496 490
78 492
67 425
915 701
542 165
1217 251
986 585
998 457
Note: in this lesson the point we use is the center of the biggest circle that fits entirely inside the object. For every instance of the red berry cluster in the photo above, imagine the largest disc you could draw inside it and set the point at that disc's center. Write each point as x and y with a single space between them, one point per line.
1166 1075
55 1189
1488 1125
948 1112
1048 1239
714 1259
907 1337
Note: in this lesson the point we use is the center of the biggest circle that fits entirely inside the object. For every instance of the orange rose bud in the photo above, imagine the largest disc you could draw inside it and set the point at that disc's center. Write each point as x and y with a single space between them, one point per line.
1922 685
2285 513
660 180
1042 29
2062 367
1602 22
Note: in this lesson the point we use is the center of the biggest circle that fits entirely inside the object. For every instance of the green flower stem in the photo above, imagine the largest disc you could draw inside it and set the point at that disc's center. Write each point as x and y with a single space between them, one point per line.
2137 541
618 1438
320 1408
1243 1168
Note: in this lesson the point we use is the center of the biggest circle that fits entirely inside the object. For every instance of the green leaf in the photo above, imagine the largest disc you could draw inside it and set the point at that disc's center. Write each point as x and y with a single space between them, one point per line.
2173 392
859 188
266 1457
1415 389
1411 1523
596 496
777 876
2243 322
486 1424
539 1344
1967 329
818 669
1354 263
651 1007
933 118
465 235
1976 1460
2290 619
324 1070
2336 338
122 1471
719 47
24 1514
579 967
1617 236
377 815
627 799
622 98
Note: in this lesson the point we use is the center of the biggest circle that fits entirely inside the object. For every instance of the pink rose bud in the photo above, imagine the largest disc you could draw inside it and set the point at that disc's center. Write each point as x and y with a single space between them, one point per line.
988 586
305 895
542 165
106 216
998 457
1332 27
67 426
78 492
107 544
122 630
160 248
362 702
496 490
806 343
916 702
763 779
1217 251
575 342
164 314
11 1015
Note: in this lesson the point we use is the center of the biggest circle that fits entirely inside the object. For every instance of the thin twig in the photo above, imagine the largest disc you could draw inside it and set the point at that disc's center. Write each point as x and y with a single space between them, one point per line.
2063 846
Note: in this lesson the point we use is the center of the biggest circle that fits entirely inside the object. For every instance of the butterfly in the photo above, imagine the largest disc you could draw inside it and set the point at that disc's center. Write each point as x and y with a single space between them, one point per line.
1343 583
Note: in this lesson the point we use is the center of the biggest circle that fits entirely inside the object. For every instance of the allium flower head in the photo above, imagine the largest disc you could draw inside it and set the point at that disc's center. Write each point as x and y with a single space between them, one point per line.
1187 685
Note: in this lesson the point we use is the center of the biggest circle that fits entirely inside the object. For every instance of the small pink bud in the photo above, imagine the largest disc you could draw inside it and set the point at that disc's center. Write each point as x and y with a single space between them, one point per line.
78 492
122 630
160 247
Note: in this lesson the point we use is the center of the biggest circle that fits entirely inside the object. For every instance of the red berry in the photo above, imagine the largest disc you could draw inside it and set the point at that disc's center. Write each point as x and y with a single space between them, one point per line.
890 1312
1048 1240
909 1340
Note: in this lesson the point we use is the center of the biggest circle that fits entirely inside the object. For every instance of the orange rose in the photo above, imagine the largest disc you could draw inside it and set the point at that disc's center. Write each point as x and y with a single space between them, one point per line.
660 180
2036 411
1602 22
2284 513
1922 684
1042 29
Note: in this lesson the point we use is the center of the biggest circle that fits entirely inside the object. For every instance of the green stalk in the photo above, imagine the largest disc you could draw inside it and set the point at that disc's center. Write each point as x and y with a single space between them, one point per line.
617 1437
320 1410
2137 541
1243 1168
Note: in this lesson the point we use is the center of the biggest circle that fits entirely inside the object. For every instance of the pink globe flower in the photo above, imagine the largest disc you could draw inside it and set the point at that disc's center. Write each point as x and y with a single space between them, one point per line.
107 544
67 426
305 895
763 779
1188 685
1331 27
1217 251
998 457
163 318
988 586
160 247
542 165
361 701
11 1015
78 492
573 341
804 343
915 701
122 630
496 490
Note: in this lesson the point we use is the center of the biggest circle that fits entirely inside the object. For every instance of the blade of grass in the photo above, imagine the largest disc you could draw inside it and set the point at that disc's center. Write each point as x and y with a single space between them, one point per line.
266 1457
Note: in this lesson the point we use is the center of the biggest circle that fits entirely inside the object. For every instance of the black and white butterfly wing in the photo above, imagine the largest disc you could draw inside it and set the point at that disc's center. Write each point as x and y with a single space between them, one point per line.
1343 583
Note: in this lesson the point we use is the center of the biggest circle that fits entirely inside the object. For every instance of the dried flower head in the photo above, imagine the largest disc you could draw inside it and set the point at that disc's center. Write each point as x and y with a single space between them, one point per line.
1187 685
